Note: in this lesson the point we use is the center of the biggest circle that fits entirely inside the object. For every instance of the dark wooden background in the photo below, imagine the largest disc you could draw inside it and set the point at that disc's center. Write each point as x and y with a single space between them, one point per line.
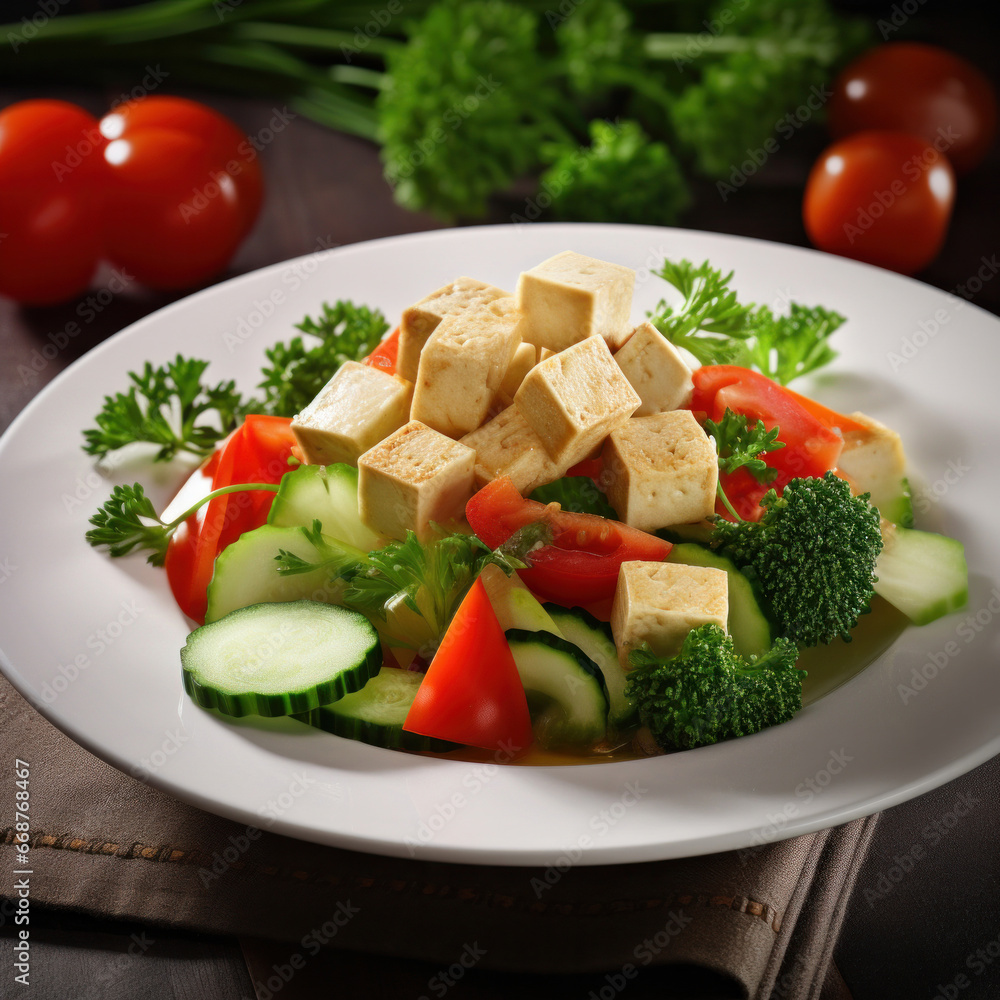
322 186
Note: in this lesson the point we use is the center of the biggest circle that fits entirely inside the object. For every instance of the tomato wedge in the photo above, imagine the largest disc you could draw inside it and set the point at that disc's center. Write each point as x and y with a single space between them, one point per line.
256 452
386 354
581 565
472 692
811 447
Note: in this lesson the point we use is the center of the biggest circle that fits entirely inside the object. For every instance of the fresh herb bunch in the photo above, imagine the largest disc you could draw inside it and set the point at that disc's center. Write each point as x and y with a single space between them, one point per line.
296 371
623 176
466 96
168 406
713 325
708 692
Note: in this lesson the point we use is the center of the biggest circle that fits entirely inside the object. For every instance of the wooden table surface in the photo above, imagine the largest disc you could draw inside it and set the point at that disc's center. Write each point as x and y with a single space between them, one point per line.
914 940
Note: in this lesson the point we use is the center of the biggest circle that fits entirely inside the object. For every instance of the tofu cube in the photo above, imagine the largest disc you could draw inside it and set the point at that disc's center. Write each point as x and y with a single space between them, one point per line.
574 399
570 297
660 470
462 367
421 319
655 370
356 409
414 477
507 446
523 361
659 603
873 458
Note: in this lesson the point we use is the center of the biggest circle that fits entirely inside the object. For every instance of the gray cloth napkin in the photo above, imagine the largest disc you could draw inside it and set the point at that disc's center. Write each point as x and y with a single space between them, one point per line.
106 844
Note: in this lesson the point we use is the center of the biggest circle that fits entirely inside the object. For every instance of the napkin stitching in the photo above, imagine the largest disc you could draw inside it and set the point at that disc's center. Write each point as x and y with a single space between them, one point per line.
463 894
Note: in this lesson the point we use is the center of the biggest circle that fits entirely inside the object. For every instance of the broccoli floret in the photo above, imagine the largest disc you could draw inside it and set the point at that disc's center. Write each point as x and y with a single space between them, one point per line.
813 554
707 692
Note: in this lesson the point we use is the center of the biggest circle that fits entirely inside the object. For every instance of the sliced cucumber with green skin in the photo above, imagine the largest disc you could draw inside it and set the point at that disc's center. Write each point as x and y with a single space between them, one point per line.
678 533
896 504
564 685
922 574
747 624
246 572
514 605
280 659
594 637
375 714
324 493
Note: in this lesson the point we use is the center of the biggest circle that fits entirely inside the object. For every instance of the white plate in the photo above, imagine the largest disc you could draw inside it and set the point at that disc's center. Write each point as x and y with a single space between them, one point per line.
93 641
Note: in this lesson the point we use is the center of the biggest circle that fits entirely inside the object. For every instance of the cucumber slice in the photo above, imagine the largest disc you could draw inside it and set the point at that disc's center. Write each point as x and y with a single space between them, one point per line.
375 714
747 624
514 605
700 531
279 659
324 493
594 637
922 574
246 572
896 504
565 687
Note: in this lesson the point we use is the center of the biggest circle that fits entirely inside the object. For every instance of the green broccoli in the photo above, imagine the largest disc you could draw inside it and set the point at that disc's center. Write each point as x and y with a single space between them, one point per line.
707 692
813 554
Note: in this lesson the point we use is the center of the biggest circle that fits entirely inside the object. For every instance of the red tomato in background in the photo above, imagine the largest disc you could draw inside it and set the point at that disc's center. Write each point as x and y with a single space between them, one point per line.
880 197
186 189
257 452
52 181
582 563
921 89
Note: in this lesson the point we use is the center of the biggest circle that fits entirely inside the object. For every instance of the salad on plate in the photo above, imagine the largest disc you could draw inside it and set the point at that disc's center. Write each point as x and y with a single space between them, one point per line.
521 525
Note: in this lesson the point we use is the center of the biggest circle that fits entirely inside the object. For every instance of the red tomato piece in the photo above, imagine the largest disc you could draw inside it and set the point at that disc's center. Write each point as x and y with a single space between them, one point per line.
589 467
52 188
257 452
881 197
472 692
386 354
582 563
811 448
187 189
920 89
829 418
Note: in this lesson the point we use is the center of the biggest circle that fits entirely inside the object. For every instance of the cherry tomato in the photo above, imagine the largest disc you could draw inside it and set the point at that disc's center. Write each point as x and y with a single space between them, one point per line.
922 89
881 197
472 692
187 189
52 180
582 563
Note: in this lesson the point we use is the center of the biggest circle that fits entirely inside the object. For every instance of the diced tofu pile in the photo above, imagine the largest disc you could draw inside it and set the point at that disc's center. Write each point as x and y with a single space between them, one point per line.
491 384
529 384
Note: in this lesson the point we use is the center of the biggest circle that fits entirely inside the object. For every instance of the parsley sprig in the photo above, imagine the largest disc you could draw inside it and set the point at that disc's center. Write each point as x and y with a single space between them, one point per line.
168 406
714 326
298 370
128 521
739 446
426 579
